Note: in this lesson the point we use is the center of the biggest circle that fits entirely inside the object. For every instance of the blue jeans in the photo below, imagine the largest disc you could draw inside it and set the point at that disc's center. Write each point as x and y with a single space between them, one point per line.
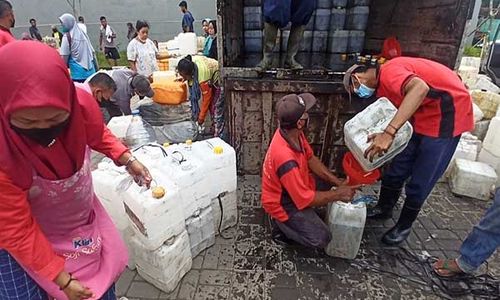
424 161
483 240
280 12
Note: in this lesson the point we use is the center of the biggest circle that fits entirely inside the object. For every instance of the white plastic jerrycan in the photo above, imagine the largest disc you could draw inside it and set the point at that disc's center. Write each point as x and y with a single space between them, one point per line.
346 222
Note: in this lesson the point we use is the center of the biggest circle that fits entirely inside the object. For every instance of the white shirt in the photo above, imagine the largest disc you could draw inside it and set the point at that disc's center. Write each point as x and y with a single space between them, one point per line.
83 27
144 56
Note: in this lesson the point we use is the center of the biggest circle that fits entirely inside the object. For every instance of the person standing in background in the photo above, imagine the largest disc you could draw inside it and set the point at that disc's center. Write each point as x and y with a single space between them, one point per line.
132 33
187 19
76 50
210 49
57 34
107 42
34 32
142 54
7 21
81 24
204 27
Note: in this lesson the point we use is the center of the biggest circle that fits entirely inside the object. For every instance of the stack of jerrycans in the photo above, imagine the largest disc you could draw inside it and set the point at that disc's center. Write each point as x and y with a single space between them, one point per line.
205 172
154 230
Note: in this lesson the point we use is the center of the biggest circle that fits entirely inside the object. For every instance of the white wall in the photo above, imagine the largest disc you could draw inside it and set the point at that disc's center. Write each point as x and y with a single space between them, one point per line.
164 16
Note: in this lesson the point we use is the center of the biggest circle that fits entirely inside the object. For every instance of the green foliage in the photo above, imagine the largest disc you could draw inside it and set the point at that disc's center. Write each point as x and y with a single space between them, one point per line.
103 62
472 51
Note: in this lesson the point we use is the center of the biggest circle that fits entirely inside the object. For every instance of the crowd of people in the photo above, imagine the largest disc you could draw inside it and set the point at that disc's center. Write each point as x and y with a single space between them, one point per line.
58 241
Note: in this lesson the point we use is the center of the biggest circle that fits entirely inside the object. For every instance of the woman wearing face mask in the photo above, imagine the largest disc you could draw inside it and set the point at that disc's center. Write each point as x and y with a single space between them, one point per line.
202 75
76 50
439 106
142 53
210 49
56 239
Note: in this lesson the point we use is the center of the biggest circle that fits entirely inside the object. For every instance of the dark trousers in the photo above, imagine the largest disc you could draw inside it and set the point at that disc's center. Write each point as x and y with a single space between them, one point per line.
280 12
423 162
306 228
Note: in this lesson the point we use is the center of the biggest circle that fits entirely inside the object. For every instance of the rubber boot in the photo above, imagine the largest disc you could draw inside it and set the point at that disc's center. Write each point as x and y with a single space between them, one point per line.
296 35
387 199
270 34
397 234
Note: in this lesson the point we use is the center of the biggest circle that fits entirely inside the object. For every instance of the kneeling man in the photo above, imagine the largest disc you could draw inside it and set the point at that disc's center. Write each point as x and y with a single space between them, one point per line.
288 188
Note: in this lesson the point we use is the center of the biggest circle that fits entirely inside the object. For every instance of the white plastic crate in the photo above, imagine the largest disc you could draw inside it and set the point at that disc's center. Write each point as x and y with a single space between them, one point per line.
472 179
492 139
165 266
200 228
229 211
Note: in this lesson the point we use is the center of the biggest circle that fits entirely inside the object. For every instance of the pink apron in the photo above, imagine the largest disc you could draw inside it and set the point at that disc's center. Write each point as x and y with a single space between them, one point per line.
79 229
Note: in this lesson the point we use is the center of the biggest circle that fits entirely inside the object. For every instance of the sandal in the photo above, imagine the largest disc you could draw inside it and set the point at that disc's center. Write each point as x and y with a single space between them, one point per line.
447 268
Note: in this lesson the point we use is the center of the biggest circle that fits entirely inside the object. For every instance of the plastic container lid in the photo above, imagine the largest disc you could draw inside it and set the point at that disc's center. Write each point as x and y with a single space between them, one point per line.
355 173
218 150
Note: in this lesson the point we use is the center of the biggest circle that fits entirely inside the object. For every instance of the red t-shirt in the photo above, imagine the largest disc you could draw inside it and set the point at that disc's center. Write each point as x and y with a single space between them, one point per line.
286 175
446 111
5 36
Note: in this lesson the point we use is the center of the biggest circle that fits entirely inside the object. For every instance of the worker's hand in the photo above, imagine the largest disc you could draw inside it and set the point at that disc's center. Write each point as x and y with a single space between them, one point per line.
337 181
345 193
76 291
381 142
140 174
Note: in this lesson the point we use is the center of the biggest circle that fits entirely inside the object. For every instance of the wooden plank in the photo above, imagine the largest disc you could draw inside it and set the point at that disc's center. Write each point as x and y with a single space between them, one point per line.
284 86
329 134
235 114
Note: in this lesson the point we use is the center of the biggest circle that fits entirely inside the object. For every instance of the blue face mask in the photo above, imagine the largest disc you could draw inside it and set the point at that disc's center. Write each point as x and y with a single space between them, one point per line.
364 92
64 29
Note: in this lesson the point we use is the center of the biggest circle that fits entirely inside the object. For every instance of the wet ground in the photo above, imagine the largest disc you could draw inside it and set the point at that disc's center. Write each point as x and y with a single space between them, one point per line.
247 264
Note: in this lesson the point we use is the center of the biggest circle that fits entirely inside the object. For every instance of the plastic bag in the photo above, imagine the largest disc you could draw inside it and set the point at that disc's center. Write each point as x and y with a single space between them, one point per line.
162 114
179 132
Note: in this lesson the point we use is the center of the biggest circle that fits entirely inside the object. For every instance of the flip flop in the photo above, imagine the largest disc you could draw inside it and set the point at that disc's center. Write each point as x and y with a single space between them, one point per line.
447 268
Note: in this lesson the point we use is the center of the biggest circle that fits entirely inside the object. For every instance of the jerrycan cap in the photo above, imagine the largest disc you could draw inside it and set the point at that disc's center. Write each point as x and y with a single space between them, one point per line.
218 150
158 192
165 145
189 142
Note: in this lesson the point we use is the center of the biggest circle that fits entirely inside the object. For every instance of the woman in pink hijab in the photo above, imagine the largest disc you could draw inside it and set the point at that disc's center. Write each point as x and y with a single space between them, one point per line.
56 241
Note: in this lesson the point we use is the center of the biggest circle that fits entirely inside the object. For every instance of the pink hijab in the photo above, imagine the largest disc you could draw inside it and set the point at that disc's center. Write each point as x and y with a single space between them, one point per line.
34 75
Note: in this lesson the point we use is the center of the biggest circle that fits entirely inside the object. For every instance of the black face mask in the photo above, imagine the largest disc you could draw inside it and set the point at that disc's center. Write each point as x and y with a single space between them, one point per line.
42 136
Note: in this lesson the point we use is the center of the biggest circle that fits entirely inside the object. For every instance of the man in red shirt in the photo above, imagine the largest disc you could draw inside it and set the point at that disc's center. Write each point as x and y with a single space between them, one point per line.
439 107
7 21
288 189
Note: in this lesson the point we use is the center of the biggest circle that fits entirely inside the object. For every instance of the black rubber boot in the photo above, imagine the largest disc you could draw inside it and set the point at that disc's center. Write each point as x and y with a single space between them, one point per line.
387 199
402 229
